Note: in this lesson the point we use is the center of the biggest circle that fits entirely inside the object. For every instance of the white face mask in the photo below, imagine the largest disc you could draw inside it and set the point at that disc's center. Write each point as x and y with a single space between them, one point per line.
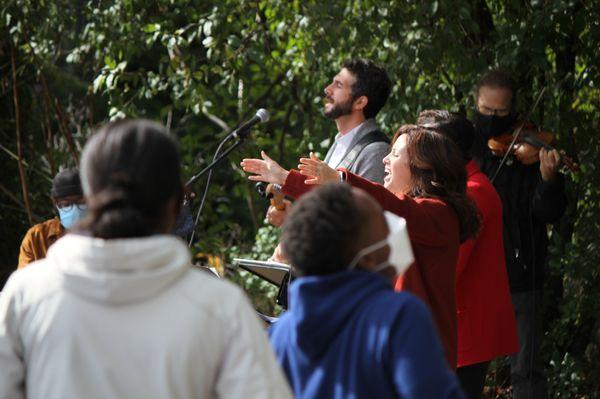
401 255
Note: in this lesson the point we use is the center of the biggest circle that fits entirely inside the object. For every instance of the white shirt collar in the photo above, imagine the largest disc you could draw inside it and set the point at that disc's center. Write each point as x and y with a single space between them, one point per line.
346 139
342 143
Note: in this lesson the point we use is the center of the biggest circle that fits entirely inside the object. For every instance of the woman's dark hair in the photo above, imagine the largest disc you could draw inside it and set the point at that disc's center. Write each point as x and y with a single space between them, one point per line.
130 169
321 233
454 125
438 171
372 81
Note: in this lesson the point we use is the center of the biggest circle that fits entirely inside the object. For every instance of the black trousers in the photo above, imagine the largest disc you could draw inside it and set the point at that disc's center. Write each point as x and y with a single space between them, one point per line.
526 367
472 379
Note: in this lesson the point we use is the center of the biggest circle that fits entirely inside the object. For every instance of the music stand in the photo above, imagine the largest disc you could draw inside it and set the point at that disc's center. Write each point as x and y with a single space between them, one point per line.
273 272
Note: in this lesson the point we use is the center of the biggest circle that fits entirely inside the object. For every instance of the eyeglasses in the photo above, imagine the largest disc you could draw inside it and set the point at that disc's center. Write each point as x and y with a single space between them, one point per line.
493 111
67 206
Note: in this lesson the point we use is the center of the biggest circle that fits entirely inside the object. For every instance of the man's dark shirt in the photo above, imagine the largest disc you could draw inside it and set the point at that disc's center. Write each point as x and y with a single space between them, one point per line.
528 205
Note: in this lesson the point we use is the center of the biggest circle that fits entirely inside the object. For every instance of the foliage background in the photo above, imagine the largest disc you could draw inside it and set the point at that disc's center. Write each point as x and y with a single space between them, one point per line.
203 66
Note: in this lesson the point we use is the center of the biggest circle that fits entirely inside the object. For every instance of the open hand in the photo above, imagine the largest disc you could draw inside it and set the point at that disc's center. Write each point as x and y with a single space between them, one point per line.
317 171
264 169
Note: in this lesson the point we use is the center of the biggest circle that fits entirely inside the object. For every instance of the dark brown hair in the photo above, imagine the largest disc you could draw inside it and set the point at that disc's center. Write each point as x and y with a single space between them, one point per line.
372 81
129 170
454 125
438 171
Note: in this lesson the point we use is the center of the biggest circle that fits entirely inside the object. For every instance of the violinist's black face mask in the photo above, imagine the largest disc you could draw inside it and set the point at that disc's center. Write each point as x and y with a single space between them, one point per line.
493 125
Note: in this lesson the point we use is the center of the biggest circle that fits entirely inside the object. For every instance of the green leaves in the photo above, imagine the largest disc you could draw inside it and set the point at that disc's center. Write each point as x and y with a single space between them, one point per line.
204 66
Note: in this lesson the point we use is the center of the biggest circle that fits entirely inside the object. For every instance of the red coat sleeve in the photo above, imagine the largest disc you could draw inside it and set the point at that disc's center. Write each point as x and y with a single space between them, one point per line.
429 221
294 185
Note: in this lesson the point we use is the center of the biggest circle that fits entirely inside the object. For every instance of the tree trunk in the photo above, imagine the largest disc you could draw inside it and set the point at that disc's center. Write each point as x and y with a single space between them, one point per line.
22 174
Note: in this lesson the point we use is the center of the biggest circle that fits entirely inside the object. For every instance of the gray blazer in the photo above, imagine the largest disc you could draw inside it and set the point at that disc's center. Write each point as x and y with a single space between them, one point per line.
369 163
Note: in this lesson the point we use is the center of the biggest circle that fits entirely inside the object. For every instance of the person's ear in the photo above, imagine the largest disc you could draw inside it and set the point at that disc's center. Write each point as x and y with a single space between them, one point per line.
360 103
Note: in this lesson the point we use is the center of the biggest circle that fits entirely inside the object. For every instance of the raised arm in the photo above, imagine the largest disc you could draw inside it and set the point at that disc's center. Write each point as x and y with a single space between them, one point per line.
428 221
312 171
264 169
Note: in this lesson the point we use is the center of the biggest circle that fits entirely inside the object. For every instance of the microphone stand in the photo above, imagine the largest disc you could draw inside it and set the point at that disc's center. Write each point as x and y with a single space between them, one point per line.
241 136
216 160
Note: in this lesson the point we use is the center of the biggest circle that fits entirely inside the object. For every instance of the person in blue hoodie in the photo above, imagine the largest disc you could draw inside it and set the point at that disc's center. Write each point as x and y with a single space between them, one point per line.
347 334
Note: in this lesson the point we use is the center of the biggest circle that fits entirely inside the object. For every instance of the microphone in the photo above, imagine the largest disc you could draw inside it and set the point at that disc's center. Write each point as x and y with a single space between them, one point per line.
262 115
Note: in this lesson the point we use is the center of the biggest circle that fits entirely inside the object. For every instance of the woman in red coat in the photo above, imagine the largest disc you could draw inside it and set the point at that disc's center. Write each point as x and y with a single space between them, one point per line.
486 320
425 183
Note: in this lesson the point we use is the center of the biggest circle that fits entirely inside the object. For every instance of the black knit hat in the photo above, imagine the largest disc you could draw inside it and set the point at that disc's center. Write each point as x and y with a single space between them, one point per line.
66 183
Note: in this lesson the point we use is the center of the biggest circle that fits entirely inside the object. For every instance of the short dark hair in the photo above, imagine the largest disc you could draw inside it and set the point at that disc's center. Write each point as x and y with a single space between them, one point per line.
498 78
130 169
454 125
372 81
321 234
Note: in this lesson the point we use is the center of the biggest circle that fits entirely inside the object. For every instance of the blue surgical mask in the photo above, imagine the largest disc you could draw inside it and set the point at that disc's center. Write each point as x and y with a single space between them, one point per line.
71 214
401 255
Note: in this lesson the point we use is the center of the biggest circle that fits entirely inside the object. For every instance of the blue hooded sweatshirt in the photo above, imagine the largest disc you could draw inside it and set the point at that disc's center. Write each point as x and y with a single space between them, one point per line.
349 335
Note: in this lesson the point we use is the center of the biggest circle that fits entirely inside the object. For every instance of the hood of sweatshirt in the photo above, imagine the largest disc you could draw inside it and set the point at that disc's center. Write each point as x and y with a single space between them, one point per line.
320 306
118 271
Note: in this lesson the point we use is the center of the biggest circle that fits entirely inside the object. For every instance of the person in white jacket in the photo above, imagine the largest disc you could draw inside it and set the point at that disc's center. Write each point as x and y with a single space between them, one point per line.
115 310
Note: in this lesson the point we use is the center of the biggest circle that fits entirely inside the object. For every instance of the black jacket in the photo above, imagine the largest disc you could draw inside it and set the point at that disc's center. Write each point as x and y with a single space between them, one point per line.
528 205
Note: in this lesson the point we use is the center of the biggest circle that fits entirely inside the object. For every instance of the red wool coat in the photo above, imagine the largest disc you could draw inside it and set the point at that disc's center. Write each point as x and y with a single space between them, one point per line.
486 320
434 234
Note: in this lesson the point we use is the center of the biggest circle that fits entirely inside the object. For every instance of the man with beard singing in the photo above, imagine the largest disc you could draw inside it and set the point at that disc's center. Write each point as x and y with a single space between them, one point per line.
353 99
532 196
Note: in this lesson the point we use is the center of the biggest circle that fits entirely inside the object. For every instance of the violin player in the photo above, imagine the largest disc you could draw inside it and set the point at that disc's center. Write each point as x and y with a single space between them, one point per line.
532 197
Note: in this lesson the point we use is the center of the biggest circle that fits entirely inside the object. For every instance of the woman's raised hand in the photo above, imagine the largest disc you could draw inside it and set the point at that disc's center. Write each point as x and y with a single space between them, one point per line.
264 169
317 171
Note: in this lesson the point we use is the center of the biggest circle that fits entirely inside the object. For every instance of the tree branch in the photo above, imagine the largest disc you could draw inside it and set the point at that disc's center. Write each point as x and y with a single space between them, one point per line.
22 175
215 119
62 124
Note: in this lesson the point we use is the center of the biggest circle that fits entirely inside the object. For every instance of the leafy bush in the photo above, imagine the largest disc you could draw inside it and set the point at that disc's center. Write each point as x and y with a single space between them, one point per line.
202 67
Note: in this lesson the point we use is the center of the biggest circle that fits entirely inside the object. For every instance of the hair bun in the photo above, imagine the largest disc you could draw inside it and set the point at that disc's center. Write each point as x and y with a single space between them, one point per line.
121 180
109 199
119 193
130 170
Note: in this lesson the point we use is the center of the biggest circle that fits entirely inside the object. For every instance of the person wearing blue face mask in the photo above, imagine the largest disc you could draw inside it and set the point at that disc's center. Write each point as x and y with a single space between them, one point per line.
115 309
347 334
67 197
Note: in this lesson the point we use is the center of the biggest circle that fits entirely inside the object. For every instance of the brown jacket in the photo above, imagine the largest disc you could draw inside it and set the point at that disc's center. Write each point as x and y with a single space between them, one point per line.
38 239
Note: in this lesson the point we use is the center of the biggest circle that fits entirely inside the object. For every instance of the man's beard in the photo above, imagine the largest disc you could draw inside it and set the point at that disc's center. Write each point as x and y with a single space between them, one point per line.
339 110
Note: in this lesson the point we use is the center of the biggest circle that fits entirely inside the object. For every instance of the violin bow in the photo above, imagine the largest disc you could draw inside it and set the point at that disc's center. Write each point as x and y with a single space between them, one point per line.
517 134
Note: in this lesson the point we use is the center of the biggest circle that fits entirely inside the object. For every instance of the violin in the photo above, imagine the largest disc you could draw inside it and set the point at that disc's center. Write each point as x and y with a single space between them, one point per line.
273 193
527 145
